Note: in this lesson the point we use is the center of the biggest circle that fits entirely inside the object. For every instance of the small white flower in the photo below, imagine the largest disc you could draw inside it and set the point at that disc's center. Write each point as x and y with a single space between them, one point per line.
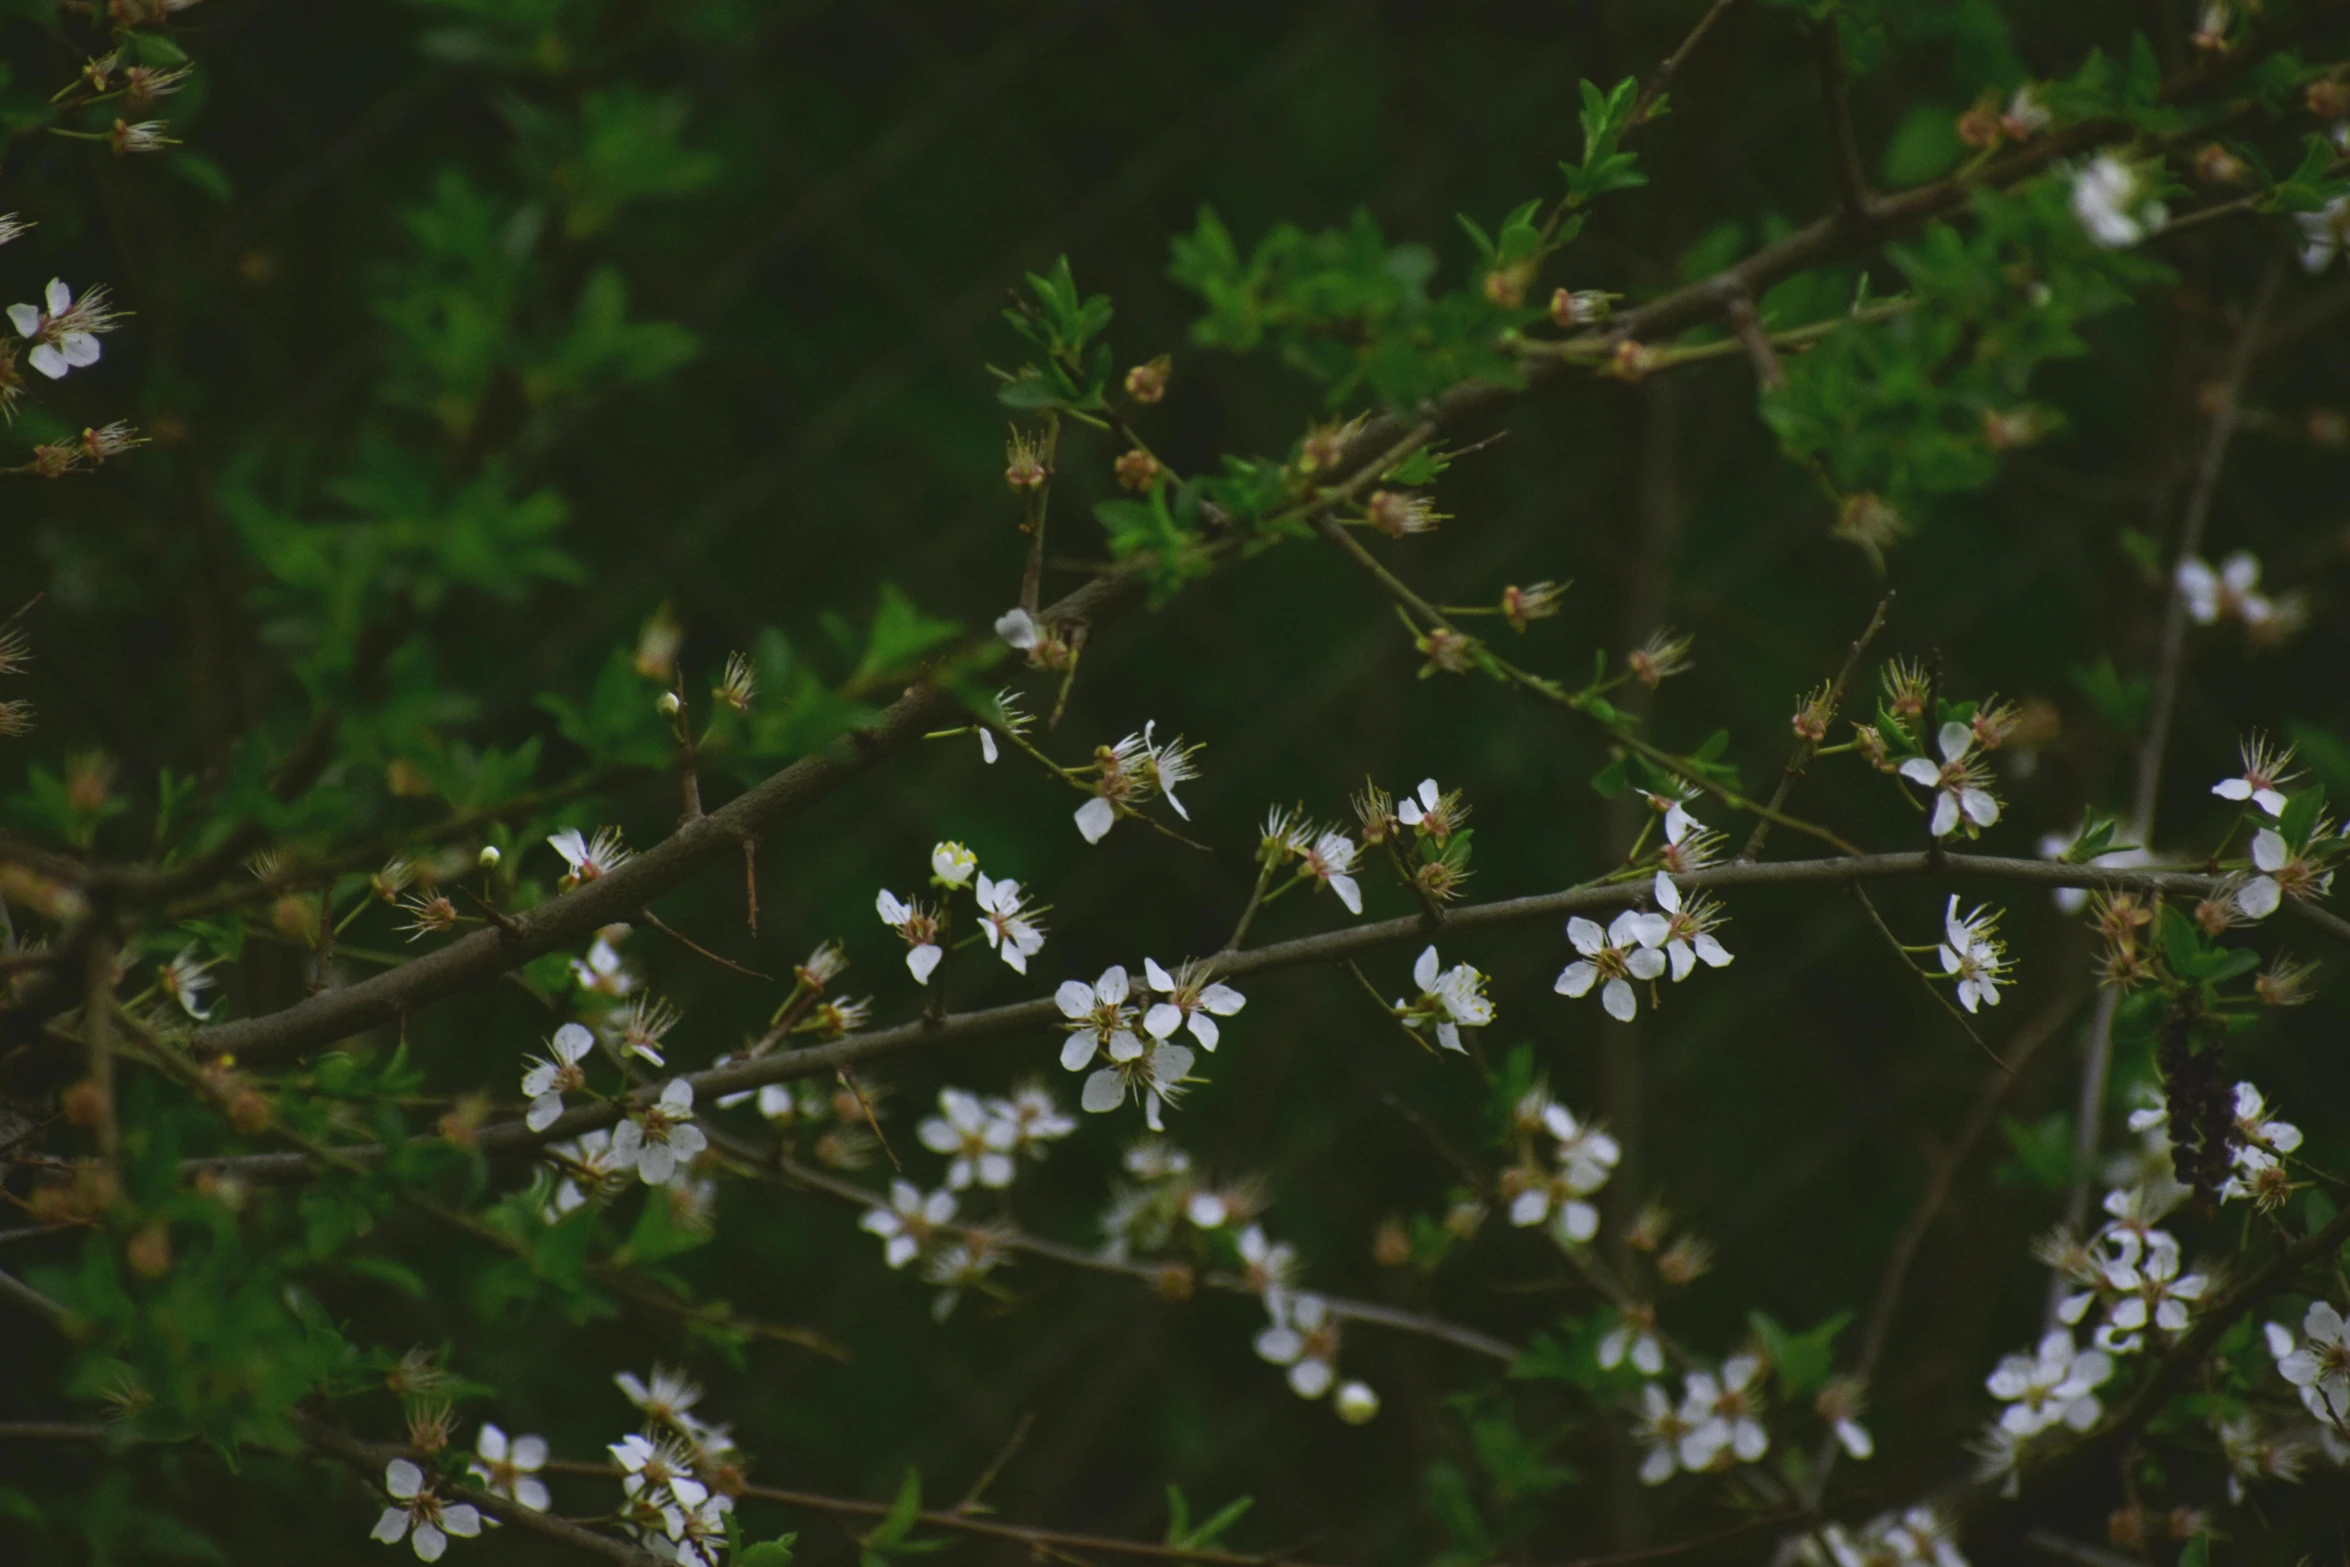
1034 1118
919 927
1413 811
1188 999
1019 630
1099 1019
588 858
64 335
2255 1126
1303 1337
658 1138
1960 784
1586 1157
2320 1369
952 864
2115 202
1972 954
1633 1338
668 1399
981 1144
590 1173
2151 1290
510 1469
1689 929
1451 999
1613 958
2263 779
1011 927
2055 1385
547 1081
1839 1405
2282 872
2229 592
1724 1415
1674 807
603 972
1155 1077
1271 1266
185 979
421 1510
1329 862
2324 233
662 1466
1660 1429
909 1222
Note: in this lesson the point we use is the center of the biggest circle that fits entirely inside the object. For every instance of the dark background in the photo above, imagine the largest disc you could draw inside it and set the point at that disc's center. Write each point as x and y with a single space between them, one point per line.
880 174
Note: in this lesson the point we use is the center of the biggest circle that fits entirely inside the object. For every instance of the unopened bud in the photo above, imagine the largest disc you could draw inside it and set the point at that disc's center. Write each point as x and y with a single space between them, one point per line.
2328 100
1979 127
1633 360
149 1252
668 706
1137 470
1573 307
1147 383
85 1103
489 857
1356 1403
2215 165
1506 286
1391 1244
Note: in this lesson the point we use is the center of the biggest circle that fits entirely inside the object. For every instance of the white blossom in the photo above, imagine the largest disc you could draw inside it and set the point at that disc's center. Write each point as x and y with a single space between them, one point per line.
2319 1368
1613 958
1585 1158
919 927
1155 1077
590 1172
1188 999
603 971
2282 871
510 1468
1018 629
1674 808
588 858
2152 1290
1008 923
547 1081
1095 818
2231 592
2115 202
2324 233
1660 1429
660 1465
1959 782
64 334
910 1220
1451 999
1689 929
1330 862
1099 1019
185 979
2263 779
1033 1117
661 1136
1724 1414
1972 954
2055 1385
1303 1337
951 864
1271 1265
421 1516
981 1144
668 1399
1633 1338
1420 807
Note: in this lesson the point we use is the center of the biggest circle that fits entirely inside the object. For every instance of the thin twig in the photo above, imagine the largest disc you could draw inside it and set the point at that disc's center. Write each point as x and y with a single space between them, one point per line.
1670 66
1852 181
1807 748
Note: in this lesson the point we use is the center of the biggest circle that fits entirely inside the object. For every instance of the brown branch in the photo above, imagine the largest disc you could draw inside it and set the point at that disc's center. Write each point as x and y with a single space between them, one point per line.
1807 748
1747 327
1670 65
1328 947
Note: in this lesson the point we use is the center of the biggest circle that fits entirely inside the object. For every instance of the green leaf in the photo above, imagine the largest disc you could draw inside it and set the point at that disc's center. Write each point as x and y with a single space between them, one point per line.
1802 1361
2196 1552
768 1553
2300 816
2121 702
2043 1152
900 635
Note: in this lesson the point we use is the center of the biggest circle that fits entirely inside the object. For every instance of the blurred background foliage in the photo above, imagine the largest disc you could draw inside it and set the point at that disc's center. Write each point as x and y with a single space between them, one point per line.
470 333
